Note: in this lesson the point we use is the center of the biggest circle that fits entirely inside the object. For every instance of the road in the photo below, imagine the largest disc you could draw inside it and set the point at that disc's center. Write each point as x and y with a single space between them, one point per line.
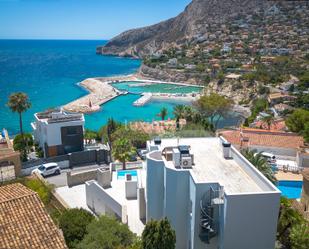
61 180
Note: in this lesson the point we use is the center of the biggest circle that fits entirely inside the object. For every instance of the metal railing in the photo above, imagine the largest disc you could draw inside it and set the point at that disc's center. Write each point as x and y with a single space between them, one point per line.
129 165
208 222
289 168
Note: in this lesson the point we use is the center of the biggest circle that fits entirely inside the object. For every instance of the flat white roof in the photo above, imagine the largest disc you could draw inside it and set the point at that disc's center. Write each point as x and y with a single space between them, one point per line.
210 165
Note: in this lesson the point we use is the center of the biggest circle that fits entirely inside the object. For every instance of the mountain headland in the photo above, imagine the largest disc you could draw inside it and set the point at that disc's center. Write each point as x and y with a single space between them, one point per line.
234 47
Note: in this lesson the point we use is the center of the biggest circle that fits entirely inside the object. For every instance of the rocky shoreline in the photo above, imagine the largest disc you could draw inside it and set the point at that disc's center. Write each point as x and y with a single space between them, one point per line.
172 75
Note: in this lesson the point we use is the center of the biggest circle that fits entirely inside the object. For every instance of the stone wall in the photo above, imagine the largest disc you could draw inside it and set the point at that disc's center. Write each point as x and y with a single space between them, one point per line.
305 191
81 177
102 176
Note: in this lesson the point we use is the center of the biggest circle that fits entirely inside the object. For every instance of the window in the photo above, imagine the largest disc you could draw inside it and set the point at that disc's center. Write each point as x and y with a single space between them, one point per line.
42 168
71 131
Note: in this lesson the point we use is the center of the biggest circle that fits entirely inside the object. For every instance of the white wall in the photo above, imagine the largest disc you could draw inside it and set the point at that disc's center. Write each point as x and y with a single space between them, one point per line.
276 151
51 133
250 221
100 202
131 189
54 131
176 203
254 173
154 189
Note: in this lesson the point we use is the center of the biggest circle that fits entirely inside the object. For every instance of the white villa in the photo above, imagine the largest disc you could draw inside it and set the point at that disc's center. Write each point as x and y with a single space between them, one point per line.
58 132
213 197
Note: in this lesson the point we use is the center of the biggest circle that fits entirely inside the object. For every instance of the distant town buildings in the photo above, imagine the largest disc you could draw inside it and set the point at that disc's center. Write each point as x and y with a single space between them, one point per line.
58 132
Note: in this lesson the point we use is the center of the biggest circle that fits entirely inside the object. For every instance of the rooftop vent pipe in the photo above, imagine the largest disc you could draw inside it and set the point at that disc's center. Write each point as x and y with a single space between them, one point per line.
157 141
226 148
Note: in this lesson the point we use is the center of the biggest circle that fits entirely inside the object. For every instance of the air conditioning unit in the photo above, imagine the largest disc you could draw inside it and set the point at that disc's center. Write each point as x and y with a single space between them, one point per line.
186 162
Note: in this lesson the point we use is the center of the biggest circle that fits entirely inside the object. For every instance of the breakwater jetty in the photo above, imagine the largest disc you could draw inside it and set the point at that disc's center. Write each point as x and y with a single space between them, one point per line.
143 100
99 93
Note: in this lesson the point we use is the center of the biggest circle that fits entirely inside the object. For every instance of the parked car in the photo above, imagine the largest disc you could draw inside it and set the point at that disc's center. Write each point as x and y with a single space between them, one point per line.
48 169
133 158
142 153
269 157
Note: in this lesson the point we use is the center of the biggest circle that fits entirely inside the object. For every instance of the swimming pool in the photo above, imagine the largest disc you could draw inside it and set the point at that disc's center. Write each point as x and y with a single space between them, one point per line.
121 174
290 189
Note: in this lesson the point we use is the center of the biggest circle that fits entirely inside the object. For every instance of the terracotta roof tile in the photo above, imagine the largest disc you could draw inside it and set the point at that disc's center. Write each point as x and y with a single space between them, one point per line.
260 137
24 223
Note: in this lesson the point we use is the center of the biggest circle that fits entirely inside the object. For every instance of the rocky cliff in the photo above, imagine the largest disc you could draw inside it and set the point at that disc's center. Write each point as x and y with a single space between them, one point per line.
193 23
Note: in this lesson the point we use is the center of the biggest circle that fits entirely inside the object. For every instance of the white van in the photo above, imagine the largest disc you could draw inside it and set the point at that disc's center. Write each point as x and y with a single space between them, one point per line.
271 158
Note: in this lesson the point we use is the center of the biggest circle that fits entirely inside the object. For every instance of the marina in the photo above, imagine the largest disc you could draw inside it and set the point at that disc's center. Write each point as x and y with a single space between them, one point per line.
102 90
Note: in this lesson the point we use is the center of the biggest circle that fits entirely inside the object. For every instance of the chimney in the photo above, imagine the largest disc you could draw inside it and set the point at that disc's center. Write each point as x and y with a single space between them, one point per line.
226 148
157 141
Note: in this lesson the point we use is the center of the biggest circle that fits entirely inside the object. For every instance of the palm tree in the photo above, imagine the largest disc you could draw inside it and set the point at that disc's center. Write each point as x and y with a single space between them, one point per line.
189 113
163 113
260 163
123 150
179 111
269 120
19 102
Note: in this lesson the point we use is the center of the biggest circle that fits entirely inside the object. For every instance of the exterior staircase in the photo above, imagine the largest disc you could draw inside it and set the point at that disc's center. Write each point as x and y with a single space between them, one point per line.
209 225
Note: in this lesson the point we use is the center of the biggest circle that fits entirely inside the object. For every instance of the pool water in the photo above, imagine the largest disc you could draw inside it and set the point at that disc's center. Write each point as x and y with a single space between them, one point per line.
121 174
290 189
139 87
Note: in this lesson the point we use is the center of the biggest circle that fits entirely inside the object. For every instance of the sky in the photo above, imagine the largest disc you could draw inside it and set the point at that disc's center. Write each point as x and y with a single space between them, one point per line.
81 19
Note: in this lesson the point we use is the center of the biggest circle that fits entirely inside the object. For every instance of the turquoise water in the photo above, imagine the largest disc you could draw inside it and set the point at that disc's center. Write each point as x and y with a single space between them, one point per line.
291 189
122 110
134 87
49 70
122 173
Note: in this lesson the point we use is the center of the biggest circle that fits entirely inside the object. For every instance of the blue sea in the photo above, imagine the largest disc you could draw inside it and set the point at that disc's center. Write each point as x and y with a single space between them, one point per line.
49 70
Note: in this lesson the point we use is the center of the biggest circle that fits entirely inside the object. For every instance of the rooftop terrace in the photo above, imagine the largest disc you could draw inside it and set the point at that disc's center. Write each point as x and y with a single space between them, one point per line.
236 175
56 116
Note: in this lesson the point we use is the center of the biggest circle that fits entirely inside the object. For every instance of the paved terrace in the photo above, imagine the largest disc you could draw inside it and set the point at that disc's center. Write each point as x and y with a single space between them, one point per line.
117 191
210 165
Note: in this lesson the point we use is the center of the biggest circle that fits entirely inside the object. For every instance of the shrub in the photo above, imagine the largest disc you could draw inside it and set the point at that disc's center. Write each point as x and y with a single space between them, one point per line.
107 233
158 234
44 191
23 144
73 223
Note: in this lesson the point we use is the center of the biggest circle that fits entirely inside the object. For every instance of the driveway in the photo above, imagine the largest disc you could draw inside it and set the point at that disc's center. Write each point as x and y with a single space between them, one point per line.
61 180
